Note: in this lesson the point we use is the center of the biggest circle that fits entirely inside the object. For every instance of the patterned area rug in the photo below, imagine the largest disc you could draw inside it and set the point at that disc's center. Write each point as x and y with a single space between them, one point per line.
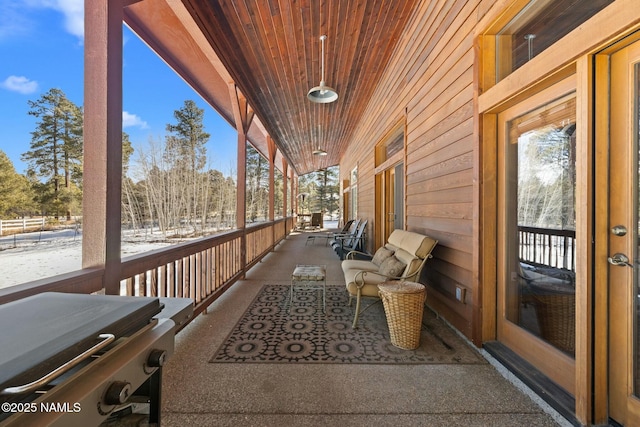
272 331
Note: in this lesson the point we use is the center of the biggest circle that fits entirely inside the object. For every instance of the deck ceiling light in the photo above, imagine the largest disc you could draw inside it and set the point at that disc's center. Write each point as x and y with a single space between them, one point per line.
319 151
322 94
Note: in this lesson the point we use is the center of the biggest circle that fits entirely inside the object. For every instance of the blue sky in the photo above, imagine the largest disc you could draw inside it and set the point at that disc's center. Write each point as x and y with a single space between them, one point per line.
41 47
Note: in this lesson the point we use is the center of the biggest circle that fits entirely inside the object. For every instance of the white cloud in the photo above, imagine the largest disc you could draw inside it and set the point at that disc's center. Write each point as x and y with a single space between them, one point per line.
20 84
73 11
130 120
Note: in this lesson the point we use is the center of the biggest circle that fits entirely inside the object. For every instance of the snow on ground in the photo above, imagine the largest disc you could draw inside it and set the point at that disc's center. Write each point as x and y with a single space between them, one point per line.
32 256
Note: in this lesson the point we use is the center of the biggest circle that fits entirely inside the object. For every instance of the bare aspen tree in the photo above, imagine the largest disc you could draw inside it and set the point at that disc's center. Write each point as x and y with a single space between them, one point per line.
186 151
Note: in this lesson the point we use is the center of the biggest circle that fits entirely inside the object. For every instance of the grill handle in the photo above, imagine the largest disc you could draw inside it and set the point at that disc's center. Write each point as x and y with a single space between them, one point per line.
34 385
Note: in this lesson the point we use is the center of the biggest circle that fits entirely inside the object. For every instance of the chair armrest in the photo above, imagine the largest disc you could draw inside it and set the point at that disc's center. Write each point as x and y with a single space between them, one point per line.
360 279
343 236
362 255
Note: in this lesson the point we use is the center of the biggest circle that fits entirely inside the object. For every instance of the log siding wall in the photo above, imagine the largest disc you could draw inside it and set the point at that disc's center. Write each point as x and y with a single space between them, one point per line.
429 83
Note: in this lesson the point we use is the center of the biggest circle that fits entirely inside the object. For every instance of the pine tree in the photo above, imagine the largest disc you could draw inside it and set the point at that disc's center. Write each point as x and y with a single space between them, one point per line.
187 153
16 198
322 188
56 151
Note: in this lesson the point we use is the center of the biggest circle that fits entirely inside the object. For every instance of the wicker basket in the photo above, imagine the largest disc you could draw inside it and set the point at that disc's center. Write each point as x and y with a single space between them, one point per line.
403 306
557 319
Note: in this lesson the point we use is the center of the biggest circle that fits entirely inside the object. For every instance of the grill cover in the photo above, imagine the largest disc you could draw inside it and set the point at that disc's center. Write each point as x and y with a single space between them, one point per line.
41 332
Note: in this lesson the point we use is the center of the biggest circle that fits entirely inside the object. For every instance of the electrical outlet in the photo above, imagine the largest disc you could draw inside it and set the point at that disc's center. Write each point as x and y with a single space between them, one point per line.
460 294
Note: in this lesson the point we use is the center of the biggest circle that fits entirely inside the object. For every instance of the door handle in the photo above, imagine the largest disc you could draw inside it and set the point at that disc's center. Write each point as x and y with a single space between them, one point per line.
620 260
619 230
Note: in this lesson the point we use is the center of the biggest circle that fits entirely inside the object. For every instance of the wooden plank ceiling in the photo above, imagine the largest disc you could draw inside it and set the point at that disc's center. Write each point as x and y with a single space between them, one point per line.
271 50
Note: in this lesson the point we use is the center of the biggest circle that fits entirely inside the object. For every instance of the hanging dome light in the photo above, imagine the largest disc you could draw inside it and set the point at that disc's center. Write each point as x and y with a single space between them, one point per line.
322 94
319 151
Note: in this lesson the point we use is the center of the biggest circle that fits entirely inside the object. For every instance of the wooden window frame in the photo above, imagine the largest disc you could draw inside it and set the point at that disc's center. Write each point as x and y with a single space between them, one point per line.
570 55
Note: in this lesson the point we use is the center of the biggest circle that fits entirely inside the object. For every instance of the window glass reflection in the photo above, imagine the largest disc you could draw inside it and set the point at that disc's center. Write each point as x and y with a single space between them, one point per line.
541 222
540 24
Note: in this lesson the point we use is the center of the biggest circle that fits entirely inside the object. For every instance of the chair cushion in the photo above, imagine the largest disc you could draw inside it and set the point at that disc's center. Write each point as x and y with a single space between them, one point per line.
404 256
411 270
417 244
392 267
357 264
390 247
395 238
380 255
411 262
309 272
370 289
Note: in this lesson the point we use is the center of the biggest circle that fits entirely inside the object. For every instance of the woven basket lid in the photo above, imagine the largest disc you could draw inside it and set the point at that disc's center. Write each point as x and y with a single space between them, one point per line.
401 287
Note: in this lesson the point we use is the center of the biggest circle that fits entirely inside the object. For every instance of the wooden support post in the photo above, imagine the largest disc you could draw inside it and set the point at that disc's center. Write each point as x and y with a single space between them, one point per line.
272 177
285 183
294 194
243 115
103 140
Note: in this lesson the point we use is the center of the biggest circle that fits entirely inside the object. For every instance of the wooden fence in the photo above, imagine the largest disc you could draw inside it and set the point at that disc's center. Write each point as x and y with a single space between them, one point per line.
12 226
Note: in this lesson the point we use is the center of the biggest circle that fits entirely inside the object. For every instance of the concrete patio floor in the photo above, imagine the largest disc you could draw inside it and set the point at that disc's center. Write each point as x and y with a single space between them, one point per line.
199 393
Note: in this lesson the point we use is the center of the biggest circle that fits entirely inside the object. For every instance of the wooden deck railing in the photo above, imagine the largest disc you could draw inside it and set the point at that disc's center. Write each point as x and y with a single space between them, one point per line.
191 270
201 270
549 247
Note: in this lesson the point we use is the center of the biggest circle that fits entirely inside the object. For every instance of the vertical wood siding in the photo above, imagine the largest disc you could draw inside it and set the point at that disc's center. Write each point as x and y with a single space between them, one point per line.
429 84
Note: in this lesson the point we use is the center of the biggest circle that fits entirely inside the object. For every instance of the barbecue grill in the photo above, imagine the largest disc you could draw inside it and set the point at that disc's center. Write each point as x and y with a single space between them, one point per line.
72 359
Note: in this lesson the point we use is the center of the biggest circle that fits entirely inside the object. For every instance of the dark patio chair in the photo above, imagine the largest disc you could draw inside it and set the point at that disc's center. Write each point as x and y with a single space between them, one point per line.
330 235
350 232
316 220
354 242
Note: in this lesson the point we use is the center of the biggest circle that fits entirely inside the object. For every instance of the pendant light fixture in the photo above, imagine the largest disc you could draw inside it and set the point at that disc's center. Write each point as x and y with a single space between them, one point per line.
322 94
319 151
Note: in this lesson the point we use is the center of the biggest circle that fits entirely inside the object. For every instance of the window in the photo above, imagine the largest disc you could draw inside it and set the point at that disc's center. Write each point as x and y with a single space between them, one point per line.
390 145
540 221
536 27
353 198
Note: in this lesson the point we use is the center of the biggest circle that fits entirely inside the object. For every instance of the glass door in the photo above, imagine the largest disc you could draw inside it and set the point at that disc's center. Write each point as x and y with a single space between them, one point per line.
536 222
390 195
398 197
624 207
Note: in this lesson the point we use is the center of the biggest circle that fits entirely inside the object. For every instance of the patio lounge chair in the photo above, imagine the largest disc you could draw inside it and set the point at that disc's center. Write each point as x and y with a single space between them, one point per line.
351 231
330 235
316 220
352 242
401 258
